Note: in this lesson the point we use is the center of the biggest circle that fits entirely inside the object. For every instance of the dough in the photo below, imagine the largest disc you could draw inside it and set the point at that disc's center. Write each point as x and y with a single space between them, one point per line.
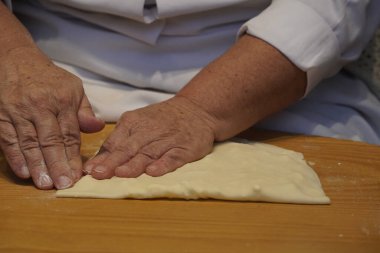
233 171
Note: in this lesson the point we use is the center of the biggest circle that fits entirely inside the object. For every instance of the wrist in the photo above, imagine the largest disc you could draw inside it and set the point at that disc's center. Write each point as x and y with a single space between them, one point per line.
222 127
196 112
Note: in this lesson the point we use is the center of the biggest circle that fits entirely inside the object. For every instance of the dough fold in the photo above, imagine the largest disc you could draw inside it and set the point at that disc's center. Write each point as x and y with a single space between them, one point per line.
233 171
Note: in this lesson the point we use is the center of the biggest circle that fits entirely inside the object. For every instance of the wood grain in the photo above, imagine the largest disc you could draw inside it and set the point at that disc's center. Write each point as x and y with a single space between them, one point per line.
32 220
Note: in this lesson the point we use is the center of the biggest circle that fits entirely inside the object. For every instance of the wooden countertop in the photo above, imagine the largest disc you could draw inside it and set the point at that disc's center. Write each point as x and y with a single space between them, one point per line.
32 220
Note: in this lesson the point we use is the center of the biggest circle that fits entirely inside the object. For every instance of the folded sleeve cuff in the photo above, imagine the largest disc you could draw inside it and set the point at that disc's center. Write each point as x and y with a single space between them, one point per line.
301 34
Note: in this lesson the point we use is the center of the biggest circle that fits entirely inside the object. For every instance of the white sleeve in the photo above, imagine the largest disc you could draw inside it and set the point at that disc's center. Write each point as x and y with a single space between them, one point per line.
319 37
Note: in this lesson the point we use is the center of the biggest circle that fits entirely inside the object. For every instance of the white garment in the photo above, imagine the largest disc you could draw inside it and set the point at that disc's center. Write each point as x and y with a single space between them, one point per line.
168 65
163 46
318 36
340 107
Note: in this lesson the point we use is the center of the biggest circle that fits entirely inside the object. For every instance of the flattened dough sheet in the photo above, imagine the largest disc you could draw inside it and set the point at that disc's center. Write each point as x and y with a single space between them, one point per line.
233 171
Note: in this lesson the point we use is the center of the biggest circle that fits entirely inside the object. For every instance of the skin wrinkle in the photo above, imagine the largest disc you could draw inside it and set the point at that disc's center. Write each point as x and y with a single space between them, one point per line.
8 138
135 166
247 83
253 76
71 136
109 147
168 135
38 108
27 138
49 141
153 155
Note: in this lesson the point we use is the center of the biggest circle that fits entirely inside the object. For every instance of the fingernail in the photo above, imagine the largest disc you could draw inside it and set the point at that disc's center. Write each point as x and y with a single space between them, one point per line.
64 182
100 169
24 171
45 180
87 170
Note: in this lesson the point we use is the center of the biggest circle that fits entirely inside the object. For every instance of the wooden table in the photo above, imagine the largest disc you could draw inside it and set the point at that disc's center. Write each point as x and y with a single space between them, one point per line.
32 220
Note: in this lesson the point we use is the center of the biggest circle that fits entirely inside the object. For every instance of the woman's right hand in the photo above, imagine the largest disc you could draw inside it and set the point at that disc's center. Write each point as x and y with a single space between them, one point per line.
42 110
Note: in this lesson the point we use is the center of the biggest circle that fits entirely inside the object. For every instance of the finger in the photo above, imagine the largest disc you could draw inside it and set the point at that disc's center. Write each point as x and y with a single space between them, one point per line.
11 149
146 155
94 161
118 156
170 161
134 167
29 146
69 125
104 167
118 148
53 149
88 122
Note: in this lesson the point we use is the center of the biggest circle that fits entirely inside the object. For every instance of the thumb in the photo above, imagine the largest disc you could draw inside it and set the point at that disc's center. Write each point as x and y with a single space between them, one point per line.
88 122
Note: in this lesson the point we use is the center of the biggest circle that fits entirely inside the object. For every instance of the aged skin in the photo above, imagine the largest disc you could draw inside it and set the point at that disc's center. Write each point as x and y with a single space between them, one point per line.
43 109
246 84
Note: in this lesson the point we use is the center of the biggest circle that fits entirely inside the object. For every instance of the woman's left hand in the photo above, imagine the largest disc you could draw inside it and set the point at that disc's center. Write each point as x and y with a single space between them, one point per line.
155 140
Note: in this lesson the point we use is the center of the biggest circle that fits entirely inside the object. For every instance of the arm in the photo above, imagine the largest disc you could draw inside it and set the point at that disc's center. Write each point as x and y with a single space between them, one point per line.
319 37
246 84
13 34
42 109
249 82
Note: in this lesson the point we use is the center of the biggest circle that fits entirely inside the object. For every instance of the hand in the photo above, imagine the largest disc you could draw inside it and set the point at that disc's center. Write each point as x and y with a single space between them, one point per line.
154 140
42 109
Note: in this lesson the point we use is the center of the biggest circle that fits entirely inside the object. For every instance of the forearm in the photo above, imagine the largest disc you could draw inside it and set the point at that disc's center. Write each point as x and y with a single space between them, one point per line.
13 34
249 82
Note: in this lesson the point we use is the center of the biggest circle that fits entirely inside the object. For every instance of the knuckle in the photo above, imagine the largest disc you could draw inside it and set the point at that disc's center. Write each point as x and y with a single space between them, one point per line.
51 140
152 152
28 142
38 99
68 94
15 108
57 165
36 164
70 134
178 155
111 147
27 145
150 155
71 139
128 153
13 155
8 139
108 146
65 99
